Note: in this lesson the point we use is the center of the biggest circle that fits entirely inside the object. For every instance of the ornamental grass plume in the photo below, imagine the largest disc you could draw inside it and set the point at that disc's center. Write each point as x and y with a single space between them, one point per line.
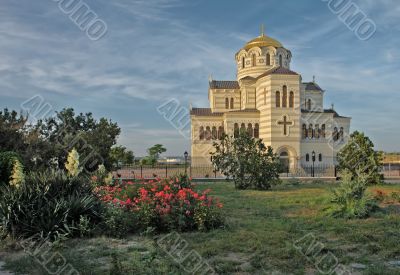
17 177
72 164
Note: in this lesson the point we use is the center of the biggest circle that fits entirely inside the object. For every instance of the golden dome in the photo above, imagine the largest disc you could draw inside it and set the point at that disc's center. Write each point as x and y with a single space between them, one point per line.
263 41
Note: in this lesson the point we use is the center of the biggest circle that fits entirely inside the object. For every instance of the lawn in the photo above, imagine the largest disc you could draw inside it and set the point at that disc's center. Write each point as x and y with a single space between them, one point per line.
262 231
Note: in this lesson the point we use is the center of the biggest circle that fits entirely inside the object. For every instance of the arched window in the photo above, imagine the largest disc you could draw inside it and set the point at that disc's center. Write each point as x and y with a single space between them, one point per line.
309 104
254 60
226 103
316 131
201 133
304 131
208 133
236 131
220 132
341 133
232 103
284 97
242 128
280 60
278 99
256 130
307 157
323 131
291 100
268 59
243 64
310 131
214 132
335 134
320 157
250 130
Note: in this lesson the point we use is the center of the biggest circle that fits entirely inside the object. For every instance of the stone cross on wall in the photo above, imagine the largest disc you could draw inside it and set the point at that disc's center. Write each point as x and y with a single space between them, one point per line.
285 123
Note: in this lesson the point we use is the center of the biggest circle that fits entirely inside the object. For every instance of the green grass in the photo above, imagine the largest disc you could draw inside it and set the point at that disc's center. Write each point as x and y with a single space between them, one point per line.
259 236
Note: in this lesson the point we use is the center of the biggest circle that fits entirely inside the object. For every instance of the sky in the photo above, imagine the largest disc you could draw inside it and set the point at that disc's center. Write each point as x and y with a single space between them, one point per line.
155 51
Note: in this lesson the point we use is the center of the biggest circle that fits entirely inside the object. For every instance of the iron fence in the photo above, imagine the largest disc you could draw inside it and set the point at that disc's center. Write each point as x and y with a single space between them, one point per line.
391 170
208 171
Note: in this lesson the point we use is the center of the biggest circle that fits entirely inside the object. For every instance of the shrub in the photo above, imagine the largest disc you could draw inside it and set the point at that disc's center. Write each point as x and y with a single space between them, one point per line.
164 205
50 204
101 177
116 222
350 200
359 157
395 196
7 161
247 161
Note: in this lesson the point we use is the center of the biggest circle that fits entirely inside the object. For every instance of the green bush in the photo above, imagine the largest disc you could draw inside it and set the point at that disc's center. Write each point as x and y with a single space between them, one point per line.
350 200
359 158
247 161
7 160
50 204
117 222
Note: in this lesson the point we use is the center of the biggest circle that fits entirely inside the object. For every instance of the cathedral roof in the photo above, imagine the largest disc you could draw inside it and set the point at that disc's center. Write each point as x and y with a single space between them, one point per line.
278 70
217 84
262 41
204 112
312 86
208 112
326 111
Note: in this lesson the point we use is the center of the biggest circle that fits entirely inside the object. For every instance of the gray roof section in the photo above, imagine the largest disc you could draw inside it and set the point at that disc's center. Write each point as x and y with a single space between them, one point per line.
312 86
224 84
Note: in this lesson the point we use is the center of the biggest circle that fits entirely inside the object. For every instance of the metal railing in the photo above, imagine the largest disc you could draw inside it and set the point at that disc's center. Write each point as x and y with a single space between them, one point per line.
208 171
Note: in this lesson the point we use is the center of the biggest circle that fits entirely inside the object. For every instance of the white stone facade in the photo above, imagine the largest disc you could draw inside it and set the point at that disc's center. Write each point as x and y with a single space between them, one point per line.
272 103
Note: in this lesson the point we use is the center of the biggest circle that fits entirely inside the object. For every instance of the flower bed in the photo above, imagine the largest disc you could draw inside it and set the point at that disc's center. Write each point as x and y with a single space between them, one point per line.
164 204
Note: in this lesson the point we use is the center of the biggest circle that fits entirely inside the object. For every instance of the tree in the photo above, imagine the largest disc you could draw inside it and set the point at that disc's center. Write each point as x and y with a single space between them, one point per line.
12 127
119 155
349 199
92 139
156 151
54 137
247 161
359 157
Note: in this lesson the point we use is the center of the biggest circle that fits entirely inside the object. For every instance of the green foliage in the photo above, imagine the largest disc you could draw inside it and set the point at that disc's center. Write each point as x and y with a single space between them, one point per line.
7 161
11 131
50 204
247 161
358 156
350 200
119 155
155 151
149 160
101 177
54 137
117 222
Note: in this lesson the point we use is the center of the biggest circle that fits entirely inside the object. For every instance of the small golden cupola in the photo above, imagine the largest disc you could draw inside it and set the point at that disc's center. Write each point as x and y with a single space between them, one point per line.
260 55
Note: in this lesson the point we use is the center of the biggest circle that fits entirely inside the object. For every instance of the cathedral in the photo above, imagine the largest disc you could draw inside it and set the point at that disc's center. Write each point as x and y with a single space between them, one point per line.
270 102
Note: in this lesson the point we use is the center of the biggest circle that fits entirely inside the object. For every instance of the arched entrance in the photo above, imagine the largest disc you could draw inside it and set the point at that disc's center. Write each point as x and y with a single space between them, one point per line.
288 158
284 161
